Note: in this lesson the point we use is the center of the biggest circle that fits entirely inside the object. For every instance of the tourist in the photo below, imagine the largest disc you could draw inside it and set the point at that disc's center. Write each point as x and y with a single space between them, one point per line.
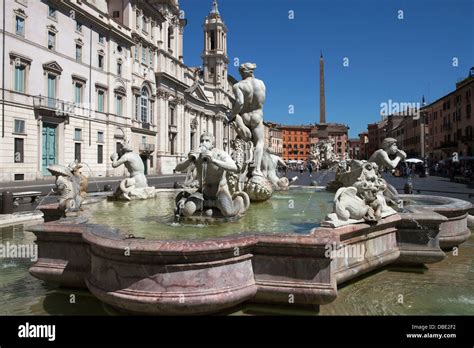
310 169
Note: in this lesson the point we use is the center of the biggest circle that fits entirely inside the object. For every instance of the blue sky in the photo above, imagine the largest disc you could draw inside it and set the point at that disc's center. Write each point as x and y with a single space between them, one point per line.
389 58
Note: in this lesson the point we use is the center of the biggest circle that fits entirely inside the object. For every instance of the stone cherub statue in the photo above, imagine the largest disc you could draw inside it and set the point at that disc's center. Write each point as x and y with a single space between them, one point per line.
382 158
136 186
213 196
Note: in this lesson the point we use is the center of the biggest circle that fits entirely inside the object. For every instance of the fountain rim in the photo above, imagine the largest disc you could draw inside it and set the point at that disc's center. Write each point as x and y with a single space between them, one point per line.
446 203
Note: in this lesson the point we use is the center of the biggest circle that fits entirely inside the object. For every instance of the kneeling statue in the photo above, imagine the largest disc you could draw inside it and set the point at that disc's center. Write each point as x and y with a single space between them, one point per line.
213 196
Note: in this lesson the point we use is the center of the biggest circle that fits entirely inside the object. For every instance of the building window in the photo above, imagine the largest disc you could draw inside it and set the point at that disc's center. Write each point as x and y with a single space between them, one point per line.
77 152
79 27
20 26
100 137
212 34
19 127
51 40
101 39
136 53
137 107
52 12
144 55
144 24
20 79
19 150
78 134
118 104
78 93
151 58
79 53
144 105
51 86
100 100
100 154
100 61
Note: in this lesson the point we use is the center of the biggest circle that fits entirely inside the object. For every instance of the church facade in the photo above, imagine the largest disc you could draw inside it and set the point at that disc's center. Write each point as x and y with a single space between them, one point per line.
80 77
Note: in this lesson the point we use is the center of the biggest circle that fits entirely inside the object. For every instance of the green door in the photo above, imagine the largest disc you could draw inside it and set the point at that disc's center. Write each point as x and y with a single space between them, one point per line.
49 146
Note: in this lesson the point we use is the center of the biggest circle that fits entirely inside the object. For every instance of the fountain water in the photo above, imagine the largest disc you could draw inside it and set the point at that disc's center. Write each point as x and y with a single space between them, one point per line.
49 193
92 177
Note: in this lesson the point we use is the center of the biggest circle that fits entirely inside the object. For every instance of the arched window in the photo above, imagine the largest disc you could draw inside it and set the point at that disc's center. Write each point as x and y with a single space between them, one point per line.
144 103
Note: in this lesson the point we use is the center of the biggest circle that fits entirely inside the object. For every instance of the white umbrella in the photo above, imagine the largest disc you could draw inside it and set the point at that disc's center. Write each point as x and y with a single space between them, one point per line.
414 160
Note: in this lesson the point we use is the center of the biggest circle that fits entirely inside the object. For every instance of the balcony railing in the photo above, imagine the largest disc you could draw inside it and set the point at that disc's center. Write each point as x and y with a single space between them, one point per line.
148 148
173 129
58 107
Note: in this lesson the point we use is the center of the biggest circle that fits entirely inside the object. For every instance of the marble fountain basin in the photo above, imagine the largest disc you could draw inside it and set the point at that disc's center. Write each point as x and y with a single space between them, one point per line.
455 230
134 257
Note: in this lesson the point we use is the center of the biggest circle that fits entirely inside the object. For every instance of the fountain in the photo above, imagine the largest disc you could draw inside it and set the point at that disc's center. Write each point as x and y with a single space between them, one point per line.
296 248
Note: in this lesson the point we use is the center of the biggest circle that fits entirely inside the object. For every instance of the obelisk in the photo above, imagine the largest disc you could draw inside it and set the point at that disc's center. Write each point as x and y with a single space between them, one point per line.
322 97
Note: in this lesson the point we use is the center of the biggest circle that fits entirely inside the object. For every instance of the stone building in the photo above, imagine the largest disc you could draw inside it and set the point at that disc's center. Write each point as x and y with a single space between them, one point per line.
354 148
80 76
296 142
409 137
273 138
450 122
435 131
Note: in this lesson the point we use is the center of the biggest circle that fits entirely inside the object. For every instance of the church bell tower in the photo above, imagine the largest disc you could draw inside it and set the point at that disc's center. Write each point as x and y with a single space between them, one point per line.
214 56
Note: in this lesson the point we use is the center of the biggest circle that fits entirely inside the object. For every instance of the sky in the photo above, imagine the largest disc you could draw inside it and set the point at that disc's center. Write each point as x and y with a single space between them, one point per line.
374 51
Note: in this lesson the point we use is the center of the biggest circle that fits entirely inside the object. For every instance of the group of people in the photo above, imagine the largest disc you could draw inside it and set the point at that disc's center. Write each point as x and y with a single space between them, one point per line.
300 167
451 170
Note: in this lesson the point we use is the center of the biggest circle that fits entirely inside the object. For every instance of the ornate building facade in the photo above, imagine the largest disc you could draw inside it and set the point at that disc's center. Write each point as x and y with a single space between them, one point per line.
82 76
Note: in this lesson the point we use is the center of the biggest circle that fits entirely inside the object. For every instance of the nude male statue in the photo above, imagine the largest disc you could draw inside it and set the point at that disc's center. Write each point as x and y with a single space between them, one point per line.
135 167
213 191
382 159
247 112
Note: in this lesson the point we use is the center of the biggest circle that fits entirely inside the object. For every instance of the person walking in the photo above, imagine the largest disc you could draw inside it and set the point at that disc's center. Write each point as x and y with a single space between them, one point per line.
310 169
